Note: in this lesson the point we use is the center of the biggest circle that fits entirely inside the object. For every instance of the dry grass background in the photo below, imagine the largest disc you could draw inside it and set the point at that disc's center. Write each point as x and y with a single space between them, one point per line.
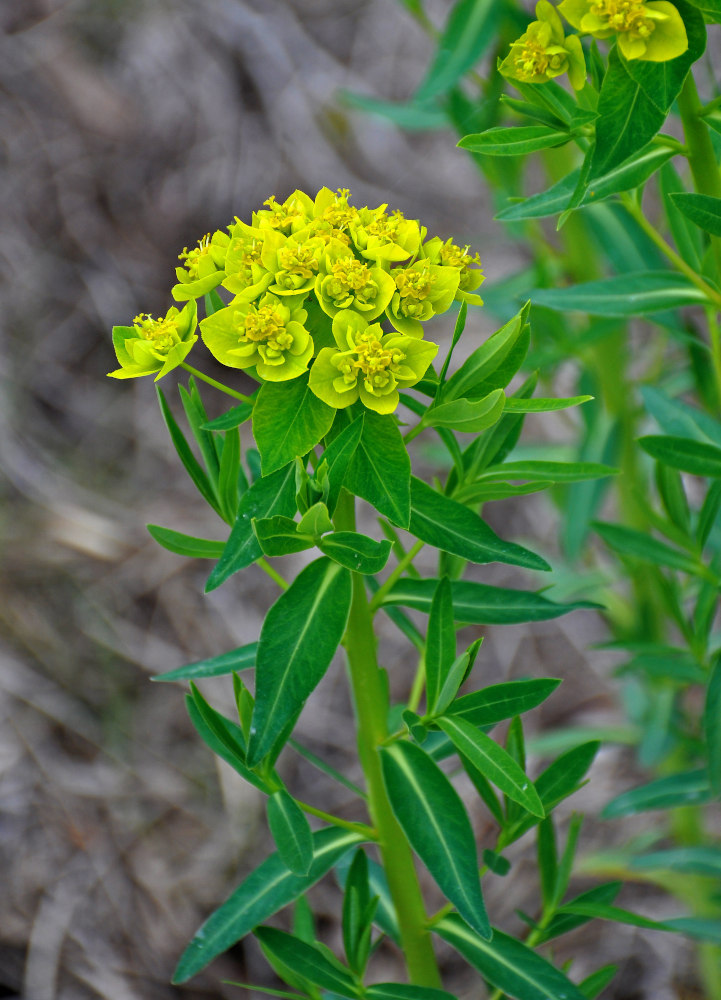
128 128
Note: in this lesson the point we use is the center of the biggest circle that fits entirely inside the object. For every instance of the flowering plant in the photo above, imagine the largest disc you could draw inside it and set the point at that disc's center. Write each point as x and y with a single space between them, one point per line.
323 306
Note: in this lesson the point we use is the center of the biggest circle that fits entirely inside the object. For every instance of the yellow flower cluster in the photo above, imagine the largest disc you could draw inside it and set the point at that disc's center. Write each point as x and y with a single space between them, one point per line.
647 30
311 282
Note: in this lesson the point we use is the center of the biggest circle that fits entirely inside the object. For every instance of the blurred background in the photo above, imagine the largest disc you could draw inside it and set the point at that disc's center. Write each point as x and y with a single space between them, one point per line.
129 128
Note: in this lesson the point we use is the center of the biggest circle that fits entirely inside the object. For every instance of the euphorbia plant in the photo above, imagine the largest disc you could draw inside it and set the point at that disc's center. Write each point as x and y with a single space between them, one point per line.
325 308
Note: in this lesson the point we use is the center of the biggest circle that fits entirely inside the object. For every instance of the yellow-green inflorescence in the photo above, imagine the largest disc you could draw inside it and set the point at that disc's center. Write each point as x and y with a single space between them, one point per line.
647 30
311 284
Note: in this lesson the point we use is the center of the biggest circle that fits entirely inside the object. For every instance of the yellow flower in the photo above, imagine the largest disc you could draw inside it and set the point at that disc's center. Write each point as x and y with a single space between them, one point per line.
652 31
544 52
270 337
368 364
155 346
202 270
450 254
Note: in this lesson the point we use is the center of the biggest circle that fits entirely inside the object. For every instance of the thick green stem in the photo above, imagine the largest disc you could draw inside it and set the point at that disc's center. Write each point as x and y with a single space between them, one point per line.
371 706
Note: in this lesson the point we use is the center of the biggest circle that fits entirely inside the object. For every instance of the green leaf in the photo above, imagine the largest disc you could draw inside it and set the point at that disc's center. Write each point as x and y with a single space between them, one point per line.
265 891
626 176
689 860
300 634
186 545
493 762
662 81
435 822
404 991
678 418
270 495
482 604
233 417
508 964
359 908
629 542
712 725
485 792
385 916
624 296
380 471
496 863
552 472
457 673
197 417
708 513
241 658
502 701
564 776
278 536
684 454
539 405
452 527
597 982
697 927
228 491
602 911
563 923
547 856
190 463
514 141
686 788
222 736
458 329
703 210
288 420
440 643
307 961
411 116
685 235
469 30
339 454
291 832
485 360
355 551
628 118
470 416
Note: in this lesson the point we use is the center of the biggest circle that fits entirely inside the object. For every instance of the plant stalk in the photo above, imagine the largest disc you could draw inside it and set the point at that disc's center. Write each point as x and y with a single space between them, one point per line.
371 707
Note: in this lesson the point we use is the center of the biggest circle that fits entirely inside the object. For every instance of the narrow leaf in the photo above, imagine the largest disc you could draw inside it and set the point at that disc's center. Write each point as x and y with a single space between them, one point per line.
307 961
241 658
291 832
683 454
440 643
502 701
514 141
625 296
186 545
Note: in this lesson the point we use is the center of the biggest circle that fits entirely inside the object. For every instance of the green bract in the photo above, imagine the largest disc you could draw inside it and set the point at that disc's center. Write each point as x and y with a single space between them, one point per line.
269 337
155 346
244 272
543 51
469 266
652 31
368 364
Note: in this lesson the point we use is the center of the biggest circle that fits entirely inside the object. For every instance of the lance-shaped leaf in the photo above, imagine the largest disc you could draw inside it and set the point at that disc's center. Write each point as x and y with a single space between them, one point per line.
482 604
627 175
696 457
435 821
279 536
452 527
223 737
469 416
514 141
712 725
563 923
300 634
687 788
540 470
701 209
628 118
493 762
291 832
339 455
227 663
539 405
485 360
270 495
288 420
192 466
355 551
502 701
625 296
186 545
307 961
508 964
440 643
265 891
380 471
629 542
233 417
470 29
405 991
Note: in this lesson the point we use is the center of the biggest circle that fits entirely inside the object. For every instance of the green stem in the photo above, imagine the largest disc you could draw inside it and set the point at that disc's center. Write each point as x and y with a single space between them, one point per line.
361 828
399 570
272 573
371 707
216 384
